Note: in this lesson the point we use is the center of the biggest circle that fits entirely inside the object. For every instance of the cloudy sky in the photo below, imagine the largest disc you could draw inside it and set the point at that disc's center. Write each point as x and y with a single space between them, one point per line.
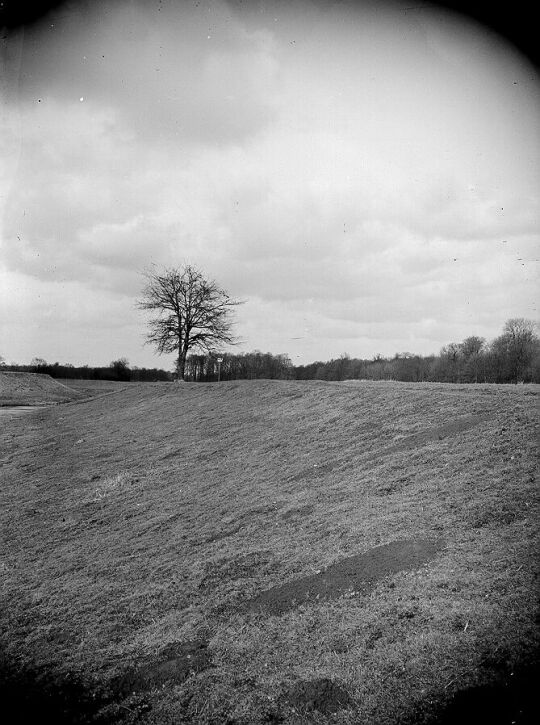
364 175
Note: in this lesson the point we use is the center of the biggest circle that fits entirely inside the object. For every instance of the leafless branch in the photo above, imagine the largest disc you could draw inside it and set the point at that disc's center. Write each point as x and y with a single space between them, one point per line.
192 312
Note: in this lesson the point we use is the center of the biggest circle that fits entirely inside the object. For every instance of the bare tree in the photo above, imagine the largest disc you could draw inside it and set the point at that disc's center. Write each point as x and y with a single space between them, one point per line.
521 343
192 313
38 362
449 362
471 352
120 368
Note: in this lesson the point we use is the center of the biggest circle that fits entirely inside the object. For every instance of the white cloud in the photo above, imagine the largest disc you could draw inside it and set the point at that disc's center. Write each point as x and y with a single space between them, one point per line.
365 176
171 72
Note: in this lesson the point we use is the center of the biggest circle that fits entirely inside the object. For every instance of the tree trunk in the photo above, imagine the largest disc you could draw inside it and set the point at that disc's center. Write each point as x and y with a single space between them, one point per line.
181 366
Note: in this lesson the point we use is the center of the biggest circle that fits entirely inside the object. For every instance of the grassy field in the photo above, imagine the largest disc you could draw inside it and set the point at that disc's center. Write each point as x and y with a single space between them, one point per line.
33 389
272 552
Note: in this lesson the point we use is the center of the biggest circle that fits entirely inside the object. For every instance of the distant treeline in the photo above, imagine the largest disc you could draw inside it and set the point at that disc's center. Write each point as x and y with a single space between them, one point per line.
247 365
117 370
513 357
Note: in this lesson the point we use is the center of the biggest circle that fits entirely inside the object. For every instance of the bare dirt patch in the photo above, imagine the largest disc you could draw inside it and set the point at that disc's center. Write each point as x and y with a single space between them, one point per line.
437 433
174 664
229 569
248 518
497 513
299 512
317 470
416 440
355 574
322 694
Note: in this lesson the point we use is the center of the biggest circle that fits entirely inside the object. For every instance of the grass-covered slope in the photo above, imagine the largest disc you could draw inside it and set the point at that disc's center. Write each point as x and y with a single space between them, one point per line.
33 389
271 552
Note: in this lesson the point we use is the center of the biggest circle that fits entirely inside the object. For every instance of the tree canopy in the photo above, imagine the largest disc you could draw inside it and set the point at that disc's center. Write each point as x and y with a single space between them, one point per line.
192 313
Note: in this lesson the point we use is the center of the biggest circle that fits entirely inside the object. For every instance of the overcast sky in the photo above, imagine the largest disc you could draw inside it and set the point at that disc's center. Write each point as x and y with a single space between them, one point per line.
364 175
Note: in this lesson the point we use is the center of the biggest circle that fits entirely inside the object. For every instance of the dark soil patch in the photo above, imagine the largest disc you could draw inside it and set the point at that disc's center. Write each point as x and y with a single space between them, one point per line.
391 487
315 471
293 394
241 521
496 514
299 512
439 433
174 664
220 535
323 695
356 573
229 569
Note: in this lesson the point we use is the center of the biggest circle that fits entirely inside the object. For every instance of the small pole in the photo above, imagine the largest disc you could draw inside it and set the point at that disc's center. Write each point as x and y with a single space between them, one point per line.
219 361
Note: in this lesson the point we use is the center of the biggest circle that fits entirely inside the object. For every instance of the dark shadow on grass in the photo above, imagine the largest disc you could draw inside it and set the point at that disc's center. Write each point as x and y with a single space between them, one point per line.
322 694
509 697
40 696
408 443
436 433
173 664
317 470
512 699
357 573
242 520
299 512
234 568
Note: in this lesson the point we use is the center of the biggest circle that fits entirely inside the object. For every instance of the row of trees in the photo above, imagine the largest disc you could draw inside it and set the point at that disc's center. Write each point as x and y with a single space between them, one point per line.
198 368
248 366
513 357
117 370
192 314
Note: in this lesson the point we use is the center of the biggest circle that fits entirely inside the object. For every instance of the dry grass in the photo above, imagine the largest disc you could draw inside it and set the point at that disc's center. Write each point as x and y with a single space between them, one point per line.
33 389
145 519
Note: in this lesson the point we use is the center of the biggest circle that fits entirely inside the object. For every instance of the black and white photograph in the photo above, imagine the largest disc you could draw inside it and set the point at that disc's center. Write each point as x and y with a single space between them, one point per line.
269 362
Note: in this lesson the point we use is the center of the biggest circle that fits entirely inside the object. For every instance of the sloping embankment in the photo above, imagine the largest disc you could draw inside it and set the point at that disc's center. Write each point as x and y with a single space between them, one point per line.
33 389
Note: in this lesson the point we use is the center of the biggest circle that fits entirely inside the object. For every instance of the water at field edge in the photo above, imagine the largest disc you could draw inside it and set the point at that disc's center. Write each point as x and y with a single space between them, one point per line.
12 411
